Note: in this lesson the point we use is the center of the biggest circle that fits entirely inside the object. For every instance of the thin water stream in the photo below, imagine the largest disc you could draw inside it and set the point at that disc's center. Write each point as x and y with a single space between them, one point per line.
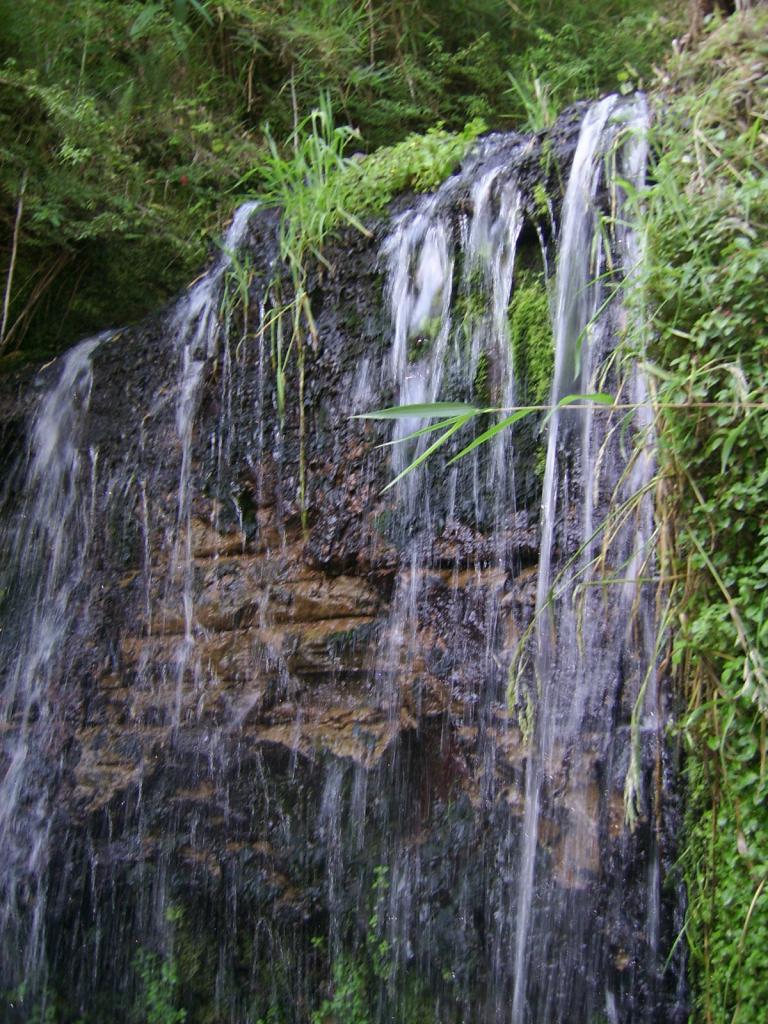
45 550
591 646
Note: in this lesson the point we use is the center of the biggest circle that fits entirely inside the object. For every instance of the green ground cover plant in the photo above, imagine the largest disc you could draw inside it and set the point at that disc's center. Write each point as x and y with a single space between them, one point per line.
706 216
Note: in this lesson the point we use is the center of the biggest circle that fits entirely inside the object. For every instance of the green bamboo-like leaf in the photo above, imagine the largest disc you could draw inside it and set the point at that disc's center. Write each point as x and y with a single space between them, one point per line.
629 188
596 397
418 433
492 431
457 425
431 409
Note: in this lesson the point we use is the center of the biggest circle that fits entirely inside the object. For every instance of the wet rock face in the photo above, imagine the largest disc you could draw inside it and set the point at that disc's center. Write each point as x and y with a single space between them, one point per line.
283 731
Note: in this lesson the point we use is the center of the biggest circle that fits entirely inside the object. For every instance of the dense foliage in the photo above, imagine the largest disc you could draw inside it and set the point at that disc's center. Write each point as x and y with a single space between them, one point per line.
707 219
129 129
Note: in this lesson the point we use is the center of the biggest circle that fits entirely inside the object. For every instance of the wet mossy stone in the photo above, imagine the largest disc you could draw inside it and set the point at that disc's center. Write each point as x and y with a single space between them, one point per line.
530 331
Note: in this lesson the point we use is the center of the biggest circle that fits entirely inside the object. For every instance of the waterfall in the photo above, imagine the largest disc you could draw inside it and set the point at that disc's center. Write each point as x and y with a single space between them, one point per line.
45 549
432 348
361 755
587 658
196 327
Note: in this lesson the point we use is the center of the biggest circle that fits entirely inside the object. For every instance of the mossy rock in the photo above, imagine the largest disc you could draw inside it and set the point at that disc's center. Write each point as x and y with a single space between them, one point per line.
530 332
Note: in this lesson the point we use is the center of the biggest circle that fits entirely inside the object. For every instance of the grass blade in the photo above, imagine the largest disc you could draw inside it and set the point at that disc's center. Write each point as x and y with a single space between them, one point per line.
457 424
418 433
447 410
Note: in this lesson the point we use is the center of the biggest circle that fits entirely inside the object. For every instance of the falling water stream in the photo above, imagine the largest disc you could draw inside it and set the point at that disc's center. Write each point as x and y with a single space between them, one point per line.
46 548
45 554
250 765
584 621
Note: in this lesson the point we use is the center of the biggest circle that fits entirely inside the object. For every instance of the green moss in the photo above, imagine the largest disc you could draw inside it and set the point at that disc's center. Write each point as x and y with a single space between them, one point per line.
540 462
481 385
469 308
159 979
530 331
196 963
421 343
420 162
541 200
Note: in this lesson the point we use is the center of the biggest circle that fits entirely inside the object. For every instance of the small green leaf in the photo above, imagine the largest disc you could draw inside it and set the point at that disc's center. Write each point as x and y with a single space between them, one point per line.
597 397
730 440
432 409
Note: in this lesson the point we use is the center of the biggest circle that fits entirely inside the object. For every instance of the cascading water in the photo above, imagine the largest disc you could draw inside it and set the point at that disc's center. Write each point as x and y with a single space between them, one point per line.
433 349
45 549
251 766
197 327
587 658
